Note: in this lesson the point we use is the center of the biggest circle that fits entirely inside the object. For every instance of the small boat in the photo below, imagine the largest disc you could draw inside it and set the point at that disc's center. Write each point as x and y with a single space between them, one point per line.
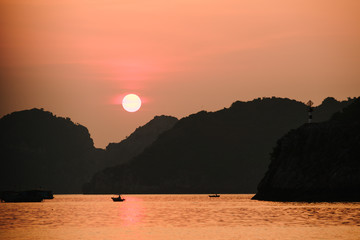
118 199
214 195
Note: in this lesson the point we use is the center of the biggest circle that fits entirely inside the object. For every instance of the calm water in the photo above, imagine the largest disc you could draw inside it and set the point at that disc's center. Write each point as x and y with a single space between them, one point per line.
160 217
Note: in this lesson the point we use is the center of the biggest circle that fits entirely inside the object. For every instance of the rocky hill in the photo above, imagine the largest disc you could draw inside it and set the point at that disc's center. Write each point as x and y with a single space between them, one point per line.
317 162
142 137
225 151
41 150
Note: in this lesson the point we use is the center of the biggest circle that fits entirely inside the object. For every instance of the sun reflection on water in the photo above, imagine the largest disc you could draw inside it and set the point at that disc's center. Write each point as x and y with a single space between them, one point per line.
129 212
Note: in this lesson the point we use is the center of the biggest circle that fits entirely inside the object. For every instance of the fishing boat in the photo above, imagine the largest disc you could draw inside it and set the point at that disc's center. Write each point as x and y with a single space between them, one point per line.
214 195
118 199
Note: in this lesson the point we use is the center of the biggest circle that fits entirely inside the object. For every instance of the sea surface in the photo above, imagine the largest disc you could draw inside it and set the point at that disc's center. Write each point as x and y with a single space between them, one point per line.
166 217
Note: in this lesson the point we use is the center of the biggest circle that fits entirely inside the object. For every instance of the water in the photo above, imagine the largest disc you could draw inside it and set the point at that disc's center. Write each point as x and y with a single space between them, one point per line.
160 217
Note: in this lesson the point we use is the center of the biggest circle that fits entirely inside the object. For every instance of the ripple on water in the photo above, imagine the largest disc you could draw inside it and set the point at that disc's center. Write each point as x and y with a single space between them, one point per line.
188 216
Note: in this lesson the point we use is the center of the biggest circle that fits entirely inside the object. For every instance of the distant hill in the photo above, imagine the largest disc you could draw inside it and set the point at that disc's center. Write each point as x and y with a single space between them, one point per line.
142 137
225 151
41 150
317 162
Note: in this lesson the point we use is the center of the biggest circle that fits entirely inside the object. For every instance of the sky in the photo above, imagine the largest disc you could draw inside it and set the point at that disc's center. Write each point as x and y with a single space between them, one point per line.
78 59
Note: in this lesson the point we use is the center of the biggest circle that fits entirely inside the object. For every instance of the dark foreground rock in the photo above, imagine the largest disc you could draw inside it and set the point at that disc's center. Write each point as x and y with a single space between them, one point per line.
317 162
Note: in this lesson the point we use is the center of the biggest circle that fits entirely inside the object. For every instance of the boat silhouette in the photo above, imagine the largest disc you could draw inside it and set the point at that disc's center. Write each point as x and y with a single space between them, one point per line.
214 195
118 199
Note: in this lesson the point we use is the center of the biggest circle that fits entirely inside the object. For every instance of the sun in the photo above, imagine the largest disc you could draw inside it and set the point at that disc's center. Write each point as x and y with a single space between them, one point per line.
131 102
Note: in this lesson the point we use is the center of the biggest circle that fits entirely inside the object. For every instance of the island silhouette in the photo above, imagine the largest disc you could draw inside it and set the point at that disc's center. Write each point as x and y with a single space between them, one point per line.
226 151
317 162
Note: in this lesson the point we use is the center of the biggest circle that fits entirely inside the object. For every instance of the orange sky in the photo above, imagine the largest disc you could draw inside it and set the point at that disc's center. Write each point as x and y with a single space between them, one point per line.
75 58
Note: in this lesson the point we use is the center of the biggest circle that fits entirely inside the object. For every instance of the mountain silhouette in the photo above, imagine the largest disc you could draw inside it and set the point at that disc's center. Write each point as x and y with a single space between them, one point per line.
317 162
41 150
225 151
143 136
